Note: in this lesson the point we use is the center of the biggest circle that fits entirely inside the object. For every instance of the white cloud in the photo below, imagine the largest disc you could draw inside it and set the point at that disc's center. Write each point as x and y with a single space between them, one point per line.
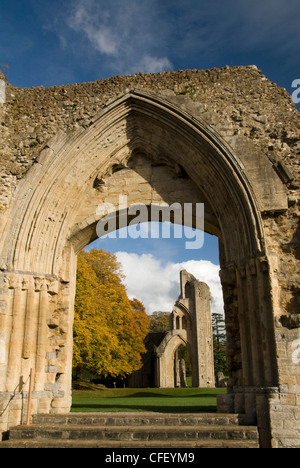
158 285
104 40
101 36
125 37
150 64
126 33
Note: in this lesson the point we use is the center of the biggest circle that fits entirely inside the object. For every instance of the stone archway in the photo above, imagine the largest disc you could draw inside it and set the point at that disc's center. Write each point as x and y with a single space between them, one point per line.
166 357
150 148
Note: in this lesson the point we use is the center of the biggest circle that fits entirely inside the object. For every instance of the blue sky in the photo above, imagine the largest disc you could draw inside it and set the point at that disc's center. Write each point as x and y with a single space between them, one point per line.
49 42
164 248
55 42
152 267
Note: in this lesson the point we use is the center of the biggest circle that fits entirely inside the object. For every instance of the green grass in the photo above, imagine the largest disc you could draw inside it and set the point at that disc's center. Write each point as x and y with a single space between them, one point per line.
167 400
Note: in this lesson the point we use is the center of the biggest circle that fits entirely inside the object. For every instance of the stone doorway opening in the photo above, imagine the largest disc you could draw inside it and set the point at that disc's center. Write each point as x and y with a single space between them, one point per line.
151 149
154 266
182 367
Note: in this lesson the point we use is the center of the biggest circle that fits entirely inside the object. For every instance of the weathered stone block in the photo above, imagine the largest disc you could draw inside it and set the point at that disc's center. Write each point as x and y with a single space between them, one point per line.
2 92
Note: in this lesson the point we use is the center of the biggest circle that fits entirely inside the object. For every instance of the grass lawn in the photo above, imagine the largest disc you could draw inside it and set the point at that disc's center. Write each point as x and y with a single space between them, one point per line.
167 400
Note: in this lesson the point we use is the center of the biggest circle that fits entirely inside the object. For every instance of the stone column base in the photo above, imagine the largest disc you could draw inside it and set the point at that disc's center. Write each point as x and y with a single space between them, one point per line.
14 406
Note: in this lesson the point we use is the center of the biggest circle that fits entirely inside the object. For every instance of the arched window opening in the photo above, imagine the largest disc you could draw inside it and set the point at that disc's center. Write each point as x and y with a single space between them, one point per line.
182 367
188 290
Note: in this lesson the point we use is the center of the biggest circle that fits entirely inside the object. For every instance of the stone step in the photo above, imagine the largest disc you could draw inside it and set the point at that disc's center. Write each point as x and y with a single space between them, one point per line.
133 430
133 433
140 419
142 445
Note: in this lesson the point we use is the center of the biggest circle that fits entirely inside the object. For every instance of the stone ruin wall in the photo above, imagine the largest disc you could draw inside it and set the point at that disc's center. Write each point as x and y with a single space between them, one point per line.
251 113
240 103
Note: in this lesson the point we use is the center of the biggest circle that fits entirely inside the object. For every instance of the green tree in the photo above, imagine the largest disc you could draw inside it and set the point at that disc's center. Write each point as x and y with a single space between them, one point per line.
109 329
159 322
219 342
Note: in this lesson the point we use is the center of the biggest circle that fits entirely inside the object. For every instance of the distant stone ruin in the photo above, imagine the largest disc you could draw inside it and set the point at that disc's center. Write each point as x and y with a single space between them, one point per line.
190 327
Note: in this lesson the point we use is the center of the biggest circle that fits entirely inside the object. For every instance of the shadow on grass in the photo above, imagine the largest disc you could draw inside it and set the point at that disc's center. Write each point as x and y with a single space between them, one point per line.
156 400
141 408
164 395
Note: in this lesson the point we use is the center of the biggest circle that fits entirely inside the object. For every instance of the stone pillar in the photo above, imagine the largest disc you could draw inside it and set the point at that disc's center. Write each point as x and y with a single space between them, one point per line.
18 351
5 319
251 347
204 337
34 333
176 370
42 331
182 373
165 371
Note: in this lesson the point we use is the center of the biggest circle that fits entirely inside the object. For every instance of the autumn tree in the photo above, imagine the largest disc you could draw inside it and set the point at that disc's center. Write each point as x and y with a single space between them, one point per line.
159 322
109 329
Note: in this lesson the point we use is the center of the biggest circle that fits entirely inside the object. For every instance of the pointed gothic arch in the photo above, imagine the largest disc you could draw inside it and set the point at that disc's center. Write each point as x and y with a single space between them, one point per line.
132 146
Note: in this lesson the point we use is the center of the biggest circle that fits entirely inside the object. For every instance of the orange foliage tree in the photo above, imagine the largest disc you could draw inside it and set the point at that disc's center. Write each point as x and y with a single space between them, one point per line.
109 329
